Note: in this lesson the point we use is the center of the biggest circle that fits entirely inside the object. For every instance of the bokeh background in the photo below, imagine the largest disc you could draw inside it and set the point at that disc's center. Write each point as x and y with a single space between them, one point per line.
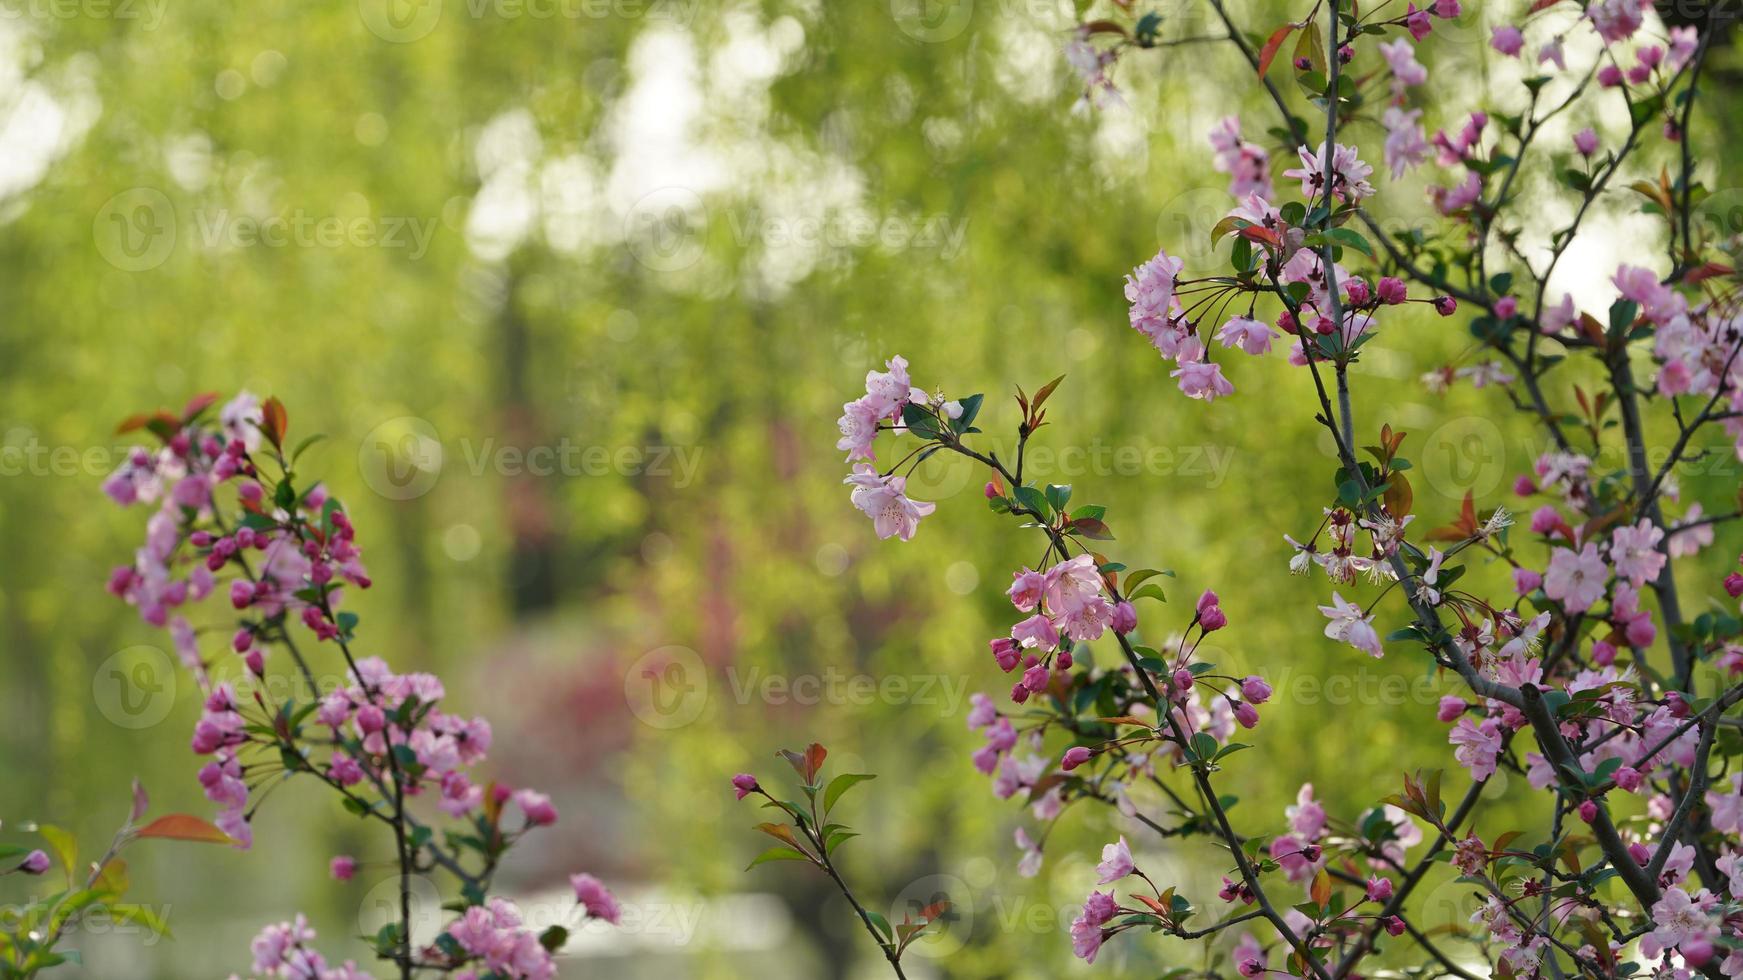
575 288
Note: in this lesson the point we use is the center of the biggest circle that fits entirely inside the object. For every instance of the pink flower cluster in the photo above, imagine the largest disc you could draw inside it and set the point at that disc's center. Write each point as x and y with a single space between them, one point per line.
884 497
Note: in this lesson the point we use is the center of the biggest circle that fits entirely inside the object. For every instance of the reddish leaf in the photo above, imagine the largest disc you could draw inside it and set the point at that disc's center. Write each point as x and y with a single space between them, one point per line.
273 421
1708 271
1272 44
1321 889
185 826
780 832
1104 27
199 404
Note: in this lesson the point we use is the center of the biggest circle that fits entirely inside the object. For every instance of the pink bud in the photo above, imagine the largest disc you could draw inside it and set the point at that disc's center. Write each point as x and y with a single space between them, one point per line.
1526 581
1035 678
1019 693
1006 652
1358 292
1641 854
1451 707
1696 950
1125 618
1394 926
1246 714
1506 306
1379 889
1610 76
1212 619
243 639
255 661
1256 690
1445 305
1678 707
1588 811
1075 756
1205 601
1586 141
1392 291
1603 654
1628 778
1183 680
991 490
744 784
1734 585
370 719
35 863
1523 486
342 867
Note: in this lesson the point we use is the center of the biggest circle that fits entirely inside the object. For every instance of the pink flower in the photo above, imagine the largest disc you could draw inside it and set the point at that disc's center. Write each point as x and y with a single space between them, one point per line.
1349 173
1478 747
1586 141
1401 59
1007 653
1116 862
1406 147
1508 40
1036 632
884 499
1246 333
859 427
745 784
1615 20
1075 756
1348 625
595 899
1575 580
1634 549
1202 379
342 867
1150 290
1085 939
34 863
1026 589
537 807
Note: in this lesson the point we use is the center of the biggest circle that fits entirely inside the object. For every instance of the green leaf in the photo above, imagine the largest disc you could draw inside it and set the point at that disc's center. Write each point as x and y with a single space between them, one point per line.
880 923
554 938
1058 495
1351 238
1032 499
1147 592
64 845
842 784
970 409
776 854
920 421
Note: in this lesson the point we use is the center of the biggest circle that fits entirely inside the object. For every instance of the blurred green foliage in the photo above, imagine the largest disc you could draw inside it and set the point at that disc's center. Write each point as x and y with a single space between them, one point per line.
568 296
